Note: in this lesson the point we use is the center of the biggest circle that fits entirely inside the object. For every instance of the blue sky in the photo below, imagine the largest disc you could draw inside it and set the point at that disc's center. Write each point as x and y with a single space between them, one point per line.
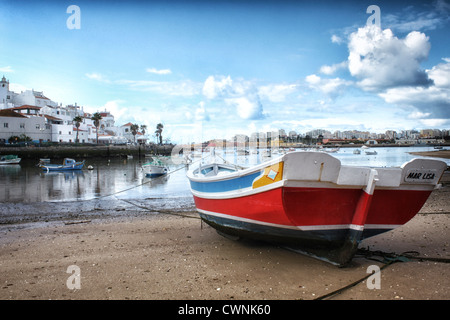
213 69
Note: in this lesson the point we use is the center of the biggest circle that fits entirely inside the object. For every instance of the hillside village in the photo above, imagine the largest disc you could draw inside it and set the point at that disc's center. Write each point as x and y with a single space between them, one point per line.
31 116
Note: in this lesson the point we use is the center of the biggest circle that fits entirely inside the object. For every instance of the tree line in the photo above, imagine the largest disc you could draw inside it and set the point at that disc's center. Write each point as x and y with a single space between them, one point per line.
134 128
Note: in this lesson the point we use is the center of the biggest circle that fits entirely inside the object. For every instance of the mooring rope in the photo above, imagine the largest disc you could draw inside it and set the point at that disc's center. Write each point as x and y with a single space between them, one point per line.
141 184
389 258
169 212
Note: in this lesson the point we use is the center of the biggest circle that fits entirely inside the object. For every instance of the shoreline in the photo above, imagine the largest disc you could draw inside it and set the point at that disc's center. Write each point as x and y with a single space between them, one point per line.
169 257
438 153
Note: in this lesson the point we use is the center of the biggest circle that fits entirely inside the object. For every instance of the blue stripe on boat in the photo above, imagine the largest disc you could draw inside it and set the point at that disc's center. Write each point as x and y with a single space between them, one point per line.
225 185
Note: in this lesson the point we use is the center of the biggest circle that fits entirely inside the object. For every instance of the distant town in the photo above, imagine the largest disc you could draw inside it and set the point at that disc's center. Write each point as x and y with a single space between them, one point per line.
30 116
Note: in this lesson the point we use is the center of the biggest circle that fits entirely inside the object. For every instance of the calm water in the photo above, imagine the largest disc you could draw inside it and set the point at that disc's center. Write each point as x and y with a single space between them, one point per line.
124 179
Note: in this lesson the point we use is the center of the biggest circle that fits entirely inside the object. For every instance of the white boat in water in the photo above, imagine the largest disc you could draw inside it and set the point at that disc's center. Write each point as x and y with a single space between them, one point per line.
9 159
154 169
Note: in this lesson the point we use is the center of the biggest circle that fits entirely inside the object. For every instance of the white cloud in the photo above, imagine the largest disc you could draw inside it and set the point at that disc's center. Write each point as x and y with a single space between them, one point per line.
431 16
213 88
329 70
418 115
241 94
248 107
432 101
435 123
97 76
160 72
6 69
330 87
276 92
382 61
336 39
175 88
200 113
440 74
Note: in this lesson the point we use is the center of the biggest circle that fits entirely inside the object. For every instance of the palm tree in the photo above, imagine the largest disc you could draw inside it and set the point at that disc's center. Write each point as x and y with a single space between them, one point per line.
159 129
96 118
134 130
77 121
143 128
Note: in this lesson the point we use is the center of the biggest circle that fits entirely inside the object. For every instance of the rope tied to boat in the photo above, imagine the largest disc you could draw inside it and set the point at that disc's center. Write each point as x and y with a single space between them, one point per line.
388 258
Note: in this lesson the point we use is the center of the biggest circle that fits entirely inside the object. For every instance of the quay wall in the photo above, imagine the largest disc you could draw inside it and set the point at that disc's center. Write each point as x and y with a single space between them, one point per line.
82 152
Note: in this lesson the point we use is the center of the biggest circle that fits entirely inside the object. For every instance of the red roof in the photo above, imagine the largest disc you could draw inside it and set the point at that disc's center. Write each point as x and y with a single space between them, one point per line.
10 113
52 118
26 106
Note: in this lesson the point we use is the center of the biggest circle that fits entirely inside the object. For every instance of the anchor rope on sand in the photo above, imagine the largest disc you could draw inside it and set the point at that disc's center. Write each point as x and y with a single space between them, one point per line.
389 258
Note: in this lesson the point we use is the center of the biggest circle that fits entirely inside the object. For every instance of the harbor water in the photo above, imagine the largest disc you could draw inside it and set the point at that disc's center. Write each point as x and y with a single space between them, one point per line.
119 187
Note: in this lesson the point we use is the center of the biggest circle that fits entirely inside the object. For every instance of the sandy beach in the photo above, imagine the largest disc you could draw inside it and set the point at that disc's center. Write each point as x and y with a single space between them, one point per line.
174 256
161 257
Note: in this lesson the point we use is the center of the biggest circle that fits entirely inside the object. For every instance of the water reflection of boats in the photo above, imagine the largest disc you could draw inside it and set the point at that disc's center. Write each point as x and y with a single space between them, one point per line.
371 152
68 164
156 182
9 159
67 174
310 202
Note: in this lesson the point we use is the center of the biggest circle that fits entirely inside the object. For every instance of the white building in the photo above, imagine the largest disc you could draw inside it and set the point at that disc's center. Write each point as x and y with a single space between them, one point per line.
42 119
16 124
6 96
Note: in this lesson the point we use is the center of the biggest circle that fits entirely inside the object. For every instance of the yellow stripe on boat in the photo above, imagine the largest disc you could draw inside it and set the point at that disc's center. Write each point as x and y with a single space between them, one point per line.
271 174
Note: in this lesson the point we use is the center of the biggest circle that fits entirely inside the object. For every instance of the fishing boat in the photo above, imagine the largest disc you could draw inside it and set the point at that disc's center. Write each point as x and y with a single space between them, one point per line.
310 202
371 152
9 159
68 164
154 169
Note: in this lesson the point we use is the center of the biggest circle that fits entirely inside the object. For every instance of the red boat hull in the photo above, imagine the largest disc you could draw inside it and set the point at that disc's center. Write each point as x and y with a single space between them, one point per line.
310 201
317 221
319 208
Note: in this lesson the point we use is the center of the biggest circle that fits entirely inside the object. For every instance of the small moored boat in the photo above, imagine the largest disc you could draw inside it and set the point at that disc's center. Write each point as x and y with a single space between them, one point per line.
68 164
9 159
308 201
154 169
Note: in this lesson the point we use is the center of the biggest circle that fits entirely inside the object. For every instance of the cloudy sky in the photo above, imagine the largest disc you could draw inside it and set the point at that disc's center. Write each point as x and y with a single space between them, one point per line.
210 69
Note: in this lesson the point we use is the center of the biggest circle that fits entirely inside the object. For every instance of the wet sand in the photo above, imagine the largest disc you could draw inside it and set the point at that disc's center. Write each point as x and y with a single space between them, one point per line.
438 153
162 257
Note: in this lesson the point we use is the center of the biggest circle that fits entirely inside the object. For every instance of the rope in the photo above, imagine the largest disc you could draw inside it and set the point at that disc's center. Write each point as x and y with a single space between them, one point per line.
141 184
159 211
388 260
351 285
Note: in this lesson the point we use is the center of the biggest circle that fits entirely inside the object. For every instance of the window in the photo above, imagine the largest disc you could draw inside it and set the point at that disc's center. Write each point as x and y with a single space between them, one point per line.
22 126
5 125
38 126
